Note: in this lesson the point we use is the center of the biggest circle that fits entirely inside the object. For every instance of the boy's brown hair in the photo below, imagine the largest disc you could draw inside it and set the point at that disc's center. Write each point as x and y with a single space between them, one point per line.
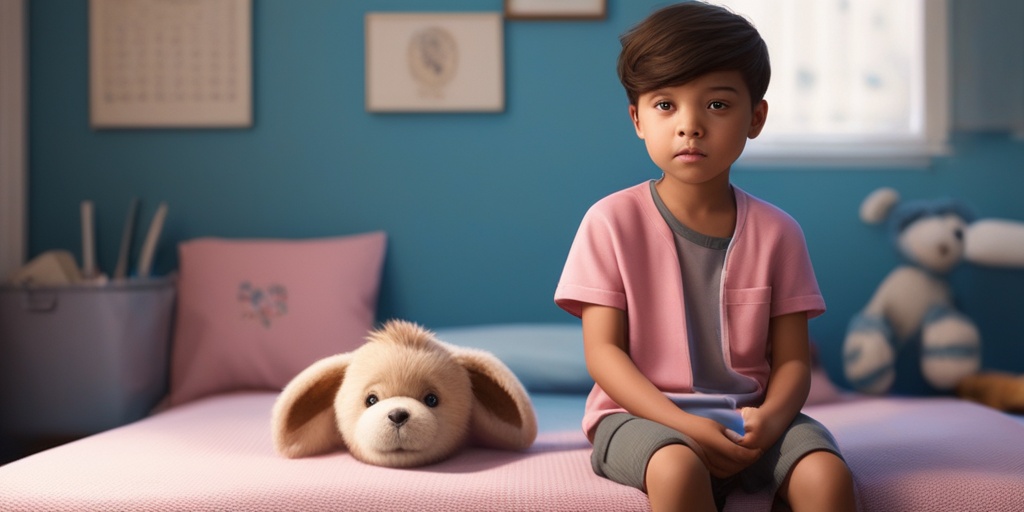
682 42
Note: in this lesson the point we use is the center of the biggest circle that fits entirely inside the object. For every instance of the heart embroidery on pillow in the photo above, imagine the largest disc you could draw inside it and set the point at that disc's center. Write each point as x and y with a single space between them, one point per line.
263 305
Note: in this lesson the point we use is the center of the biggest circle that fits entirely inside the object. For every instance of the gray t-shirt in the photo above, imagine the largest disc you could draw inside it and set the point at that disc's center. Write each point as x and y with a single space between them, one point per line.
701 258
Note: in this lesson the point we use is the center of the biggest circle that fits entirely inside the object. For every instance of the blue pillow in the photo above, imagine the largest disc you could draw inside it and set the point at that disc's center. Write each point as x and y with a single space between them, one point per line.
546 357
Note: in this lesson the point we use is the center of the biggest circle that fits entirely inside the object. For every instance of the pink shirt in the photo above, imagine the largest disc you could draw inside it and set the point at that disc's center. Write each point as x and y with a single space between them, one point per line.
624 256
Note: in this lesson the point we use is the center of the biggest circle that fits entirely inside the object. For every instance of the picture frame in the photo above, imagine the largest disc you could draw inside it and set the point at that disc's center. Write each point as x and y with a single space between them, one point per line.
434 62
556 9
158 64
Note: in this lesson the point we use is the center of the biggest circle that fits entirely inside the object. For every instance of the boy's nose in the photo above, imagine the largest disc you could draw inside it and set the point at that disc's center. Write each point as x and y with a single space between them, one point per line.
689 126
692 131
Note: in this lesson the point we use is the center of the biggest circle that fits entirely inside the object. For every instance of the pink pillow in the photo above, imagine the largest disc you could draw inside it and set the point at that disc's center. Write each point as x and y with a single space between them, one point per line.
251 314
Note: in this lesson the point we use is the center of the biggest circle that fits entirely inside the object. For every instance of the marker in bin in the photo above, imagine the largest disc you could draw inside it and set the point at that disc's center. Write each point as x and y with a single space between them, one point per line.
149 245
89 269
90 273
121 270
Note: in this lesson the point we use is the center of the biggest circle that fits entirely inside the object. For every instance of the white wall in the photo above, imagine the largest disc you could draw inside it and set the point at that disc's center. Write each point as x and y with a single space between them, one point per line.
13 134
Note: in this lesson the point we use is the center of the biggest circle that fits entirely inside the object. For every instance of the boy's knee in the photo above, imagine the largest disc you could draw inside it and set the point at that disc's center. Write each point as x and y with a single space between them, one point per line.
830 465
821 472
674 464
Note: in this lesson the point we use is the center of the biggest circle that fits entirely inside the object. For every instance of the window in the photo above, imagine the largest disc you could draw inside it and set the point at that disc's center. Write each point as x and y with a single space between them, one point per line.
853 81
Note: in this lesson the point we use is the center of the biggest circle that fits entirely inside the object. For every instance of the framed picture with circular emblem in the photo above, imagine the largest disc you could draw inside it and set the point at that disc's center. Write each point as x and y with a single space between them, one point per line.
434 62
555 9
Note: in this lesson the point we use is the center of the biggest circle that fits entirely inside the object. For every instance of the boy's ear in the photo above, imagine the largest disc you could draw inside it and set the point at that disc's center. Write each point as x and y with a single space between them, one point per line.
758 119
633 116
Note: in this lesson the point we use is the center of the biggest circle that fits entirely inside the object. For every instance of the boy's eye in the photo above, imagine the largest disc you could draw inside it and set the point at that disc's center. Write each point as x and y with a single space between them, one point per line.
716 105
663 105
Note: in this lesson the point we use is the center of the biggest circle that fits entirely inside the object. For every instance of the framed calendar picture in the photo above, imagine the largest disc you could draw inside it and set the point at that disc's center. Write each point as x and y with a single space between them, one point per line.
555 9
434 62
161 64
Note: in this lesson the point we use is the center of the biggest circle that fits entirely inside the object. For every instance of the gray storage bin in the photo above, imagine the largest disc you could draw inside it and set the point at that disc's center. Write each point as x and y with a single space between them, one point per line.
76 360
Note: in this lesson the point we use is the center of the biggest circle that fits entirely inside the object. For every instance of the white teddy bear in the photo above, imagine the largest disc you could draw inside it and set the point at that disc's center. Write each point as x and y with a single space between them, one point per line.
915 299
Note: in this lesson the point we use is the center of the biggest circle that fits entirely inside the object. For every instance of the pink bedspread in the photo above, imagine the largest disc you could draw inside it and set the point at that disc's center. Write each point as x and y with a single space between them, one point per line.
926 454
216 454
930 454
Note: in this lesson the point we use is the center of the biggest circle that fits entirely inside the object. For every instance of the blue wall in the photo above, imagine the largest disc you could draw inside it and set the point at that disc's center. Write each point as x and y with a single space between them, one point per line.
480 208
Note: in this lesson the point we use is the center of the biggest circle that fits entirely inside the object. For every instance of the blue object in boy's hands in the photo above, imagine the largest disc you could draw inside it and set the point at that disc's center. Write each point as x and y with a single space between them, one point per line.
718 408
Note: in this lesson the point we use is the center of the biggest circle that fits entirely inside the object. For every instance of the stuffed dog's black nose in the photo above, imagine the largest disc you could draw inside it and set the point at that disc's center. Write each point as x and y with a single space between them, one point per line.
398 417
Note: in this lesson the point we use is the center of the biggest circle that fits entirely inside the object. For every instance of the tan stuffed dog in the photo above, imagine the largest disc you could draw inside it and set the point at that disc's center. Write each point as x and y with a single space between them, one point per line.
403 399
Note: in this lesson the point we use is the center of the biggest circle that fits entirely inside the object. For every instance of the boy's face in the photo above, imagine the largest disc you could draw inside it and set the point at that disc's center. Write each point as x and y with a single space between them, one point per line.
695 131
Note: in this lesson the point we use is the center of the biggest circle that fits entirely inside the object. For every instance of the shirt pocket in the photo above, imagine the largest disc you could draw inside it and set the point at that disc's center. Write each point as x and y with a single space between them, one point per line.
747 312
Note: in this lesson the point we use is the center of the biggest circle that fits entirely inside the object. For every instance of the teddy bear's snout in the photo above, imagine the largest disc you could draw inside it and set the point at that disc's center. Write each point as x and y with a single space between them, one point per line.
398 417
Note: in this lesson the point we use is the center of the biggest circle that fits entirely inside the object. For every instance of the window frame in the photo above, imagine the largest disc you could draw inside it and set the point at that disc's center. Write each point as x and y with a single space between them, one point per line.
883 150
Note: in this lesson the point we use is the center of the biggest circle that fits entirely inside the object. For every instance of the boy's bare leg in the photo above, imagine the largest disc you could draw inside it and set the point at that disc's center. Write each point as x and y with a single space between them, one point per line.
819 481
677 479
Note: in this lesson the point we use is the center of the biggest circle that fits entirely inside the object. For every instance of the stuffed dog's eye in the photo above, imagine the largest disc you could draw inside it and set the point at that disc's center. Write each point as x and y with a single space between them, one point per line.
370 400
431 400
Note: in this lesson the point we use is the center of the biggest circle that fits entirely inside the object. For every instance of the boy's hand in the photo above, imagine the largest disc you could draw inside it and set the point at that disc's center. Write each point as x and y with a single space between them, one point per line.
760 429
720 448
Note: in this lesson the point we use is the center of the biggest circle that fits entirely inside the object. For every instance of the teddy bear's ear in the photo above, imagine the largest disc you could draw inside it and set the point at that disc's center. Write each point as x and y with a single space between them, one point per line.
503 416
303 421
877 205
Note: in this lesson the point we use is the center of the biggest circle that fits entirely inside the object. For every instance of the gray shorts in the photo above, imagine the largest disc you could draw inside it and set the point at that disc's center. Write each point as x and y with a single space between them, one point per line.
623 445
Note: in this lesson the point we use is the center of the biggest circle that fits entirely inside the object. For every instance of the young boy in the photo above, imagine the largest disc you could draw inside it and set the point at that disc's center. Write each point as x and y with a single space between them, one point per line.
687 286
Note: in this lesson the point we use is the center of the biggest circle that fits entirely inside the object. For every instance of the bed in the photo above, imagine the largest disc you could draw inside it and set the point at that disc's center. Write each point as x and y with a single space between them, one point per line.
208 446
215 453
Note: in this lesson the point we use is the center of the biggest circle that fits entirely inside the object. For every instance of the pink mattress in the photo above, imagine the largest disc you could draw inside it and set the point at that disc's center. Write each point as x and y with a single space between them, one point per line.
216 454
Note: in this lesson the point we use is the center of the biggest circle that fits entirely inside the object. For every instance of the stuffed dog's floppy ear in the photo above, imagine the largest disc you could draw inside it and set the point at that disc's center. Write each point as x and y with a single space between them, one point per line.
303 421
503 416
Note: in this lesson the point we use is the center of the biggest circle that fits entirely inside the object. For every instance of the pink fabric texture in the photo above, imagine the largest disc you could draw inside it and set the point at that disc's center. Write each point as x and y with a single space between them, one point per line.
920 454
251 314
931 454
624 256
216 454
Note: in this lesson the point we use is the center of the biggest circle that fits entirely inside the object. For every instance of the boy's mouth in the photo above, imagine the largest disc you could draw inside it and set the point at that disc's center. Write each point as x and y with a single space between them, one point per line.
689 154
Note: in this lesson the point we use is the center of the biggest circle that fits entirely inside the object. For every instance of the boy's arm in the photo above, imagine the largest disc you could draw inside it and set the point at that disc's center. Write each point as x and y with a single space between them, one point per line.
788 384
606 350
